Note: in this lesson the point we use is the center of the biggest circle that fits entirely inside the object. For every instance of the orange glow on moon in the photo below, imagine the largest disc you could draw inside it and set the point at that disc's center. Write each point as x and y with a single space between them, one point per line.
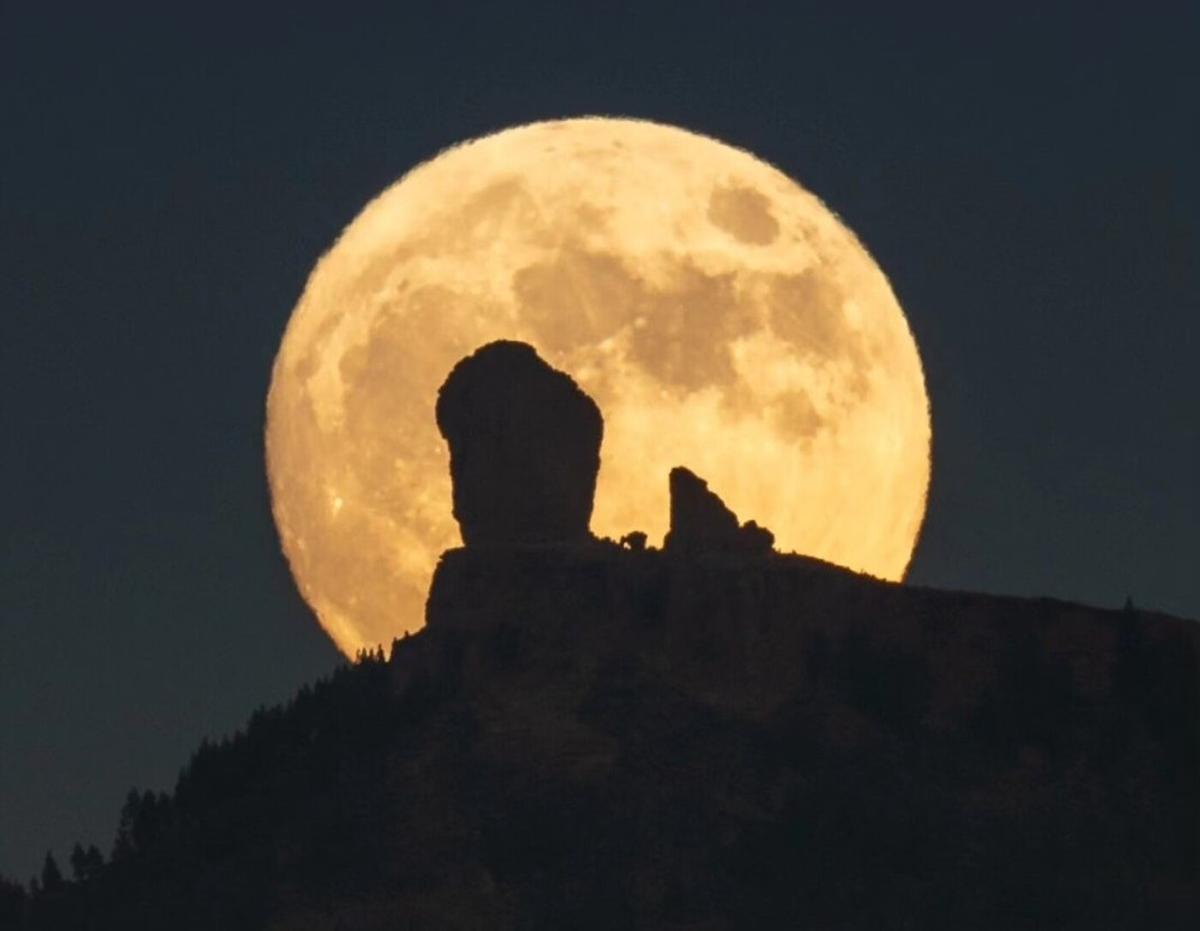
721 316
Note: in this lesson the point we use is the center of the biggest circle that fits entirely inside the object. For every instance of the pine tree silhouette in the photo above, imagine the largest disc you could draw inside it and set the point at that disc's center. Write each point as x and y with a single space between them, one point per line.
52 877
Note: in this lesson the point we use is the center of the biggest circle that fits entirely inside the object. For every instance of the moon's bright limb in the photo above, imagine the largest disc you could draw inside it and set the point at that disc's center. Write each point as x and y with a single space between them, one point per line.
720 315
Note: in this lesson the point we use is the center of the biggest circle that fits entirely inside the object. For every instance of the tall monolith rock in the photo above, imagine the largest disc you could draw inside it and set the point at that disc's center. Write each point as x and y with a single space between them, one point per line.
524 448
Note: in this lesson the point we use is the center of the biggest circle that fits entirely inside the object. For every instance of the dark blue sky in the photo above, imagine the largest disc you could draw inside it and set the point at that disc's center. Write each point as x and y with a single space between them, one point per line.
166 183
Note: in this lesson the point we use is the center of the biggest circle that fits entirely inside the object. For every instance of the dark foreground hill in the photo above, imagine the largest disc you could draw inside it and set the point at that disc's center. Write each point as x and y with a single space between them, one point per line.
591 737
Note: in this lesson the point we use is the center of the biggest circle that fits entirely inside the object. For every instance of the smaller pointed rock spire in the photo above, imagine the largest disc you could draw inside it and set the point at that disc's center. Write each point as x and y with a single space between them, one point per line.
701 522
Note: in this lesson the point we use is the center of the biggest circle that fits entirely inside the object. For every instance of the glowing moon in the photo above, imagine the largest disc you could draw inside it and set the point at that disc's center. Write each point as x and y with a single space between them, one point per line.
720 315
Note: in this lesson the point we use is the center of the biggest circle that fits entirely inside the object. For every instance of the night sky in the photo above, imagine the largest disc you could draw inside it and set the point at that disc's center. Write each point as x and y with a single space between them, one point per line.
1028 184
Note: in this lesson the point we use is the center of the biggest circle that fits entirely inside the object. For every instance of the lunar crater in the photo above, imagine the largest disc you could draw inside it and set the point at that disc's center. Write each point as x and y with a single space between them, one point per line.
743 213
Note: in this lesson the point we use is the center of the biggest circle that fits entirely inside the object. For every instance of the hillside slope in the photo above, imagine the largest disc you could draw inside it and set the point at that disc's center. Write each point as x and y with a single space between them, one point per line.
593 737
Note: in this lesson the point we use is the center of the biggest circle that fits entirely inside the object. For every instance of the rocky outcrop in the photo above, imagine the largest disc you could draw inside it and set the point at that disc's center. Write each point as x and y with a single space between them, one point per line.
524 448
776 742
701 522
590 734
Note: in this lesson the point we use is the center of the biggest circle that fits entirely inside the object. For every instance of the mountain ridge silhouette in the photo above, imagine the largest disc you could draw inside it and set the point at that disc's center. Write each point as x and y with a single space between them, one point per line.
599 735
589 736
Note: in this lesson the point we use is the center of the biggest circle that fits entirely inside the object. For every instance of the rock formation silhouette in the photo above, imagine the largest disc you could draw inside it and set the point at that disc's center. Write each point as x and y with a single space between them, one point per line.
524 448
613 736
701 522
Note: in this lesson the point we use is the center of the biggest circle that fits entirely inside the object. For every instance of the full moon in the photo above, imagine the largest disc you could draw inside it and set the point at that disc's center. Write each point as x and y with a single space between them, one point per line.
720 315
